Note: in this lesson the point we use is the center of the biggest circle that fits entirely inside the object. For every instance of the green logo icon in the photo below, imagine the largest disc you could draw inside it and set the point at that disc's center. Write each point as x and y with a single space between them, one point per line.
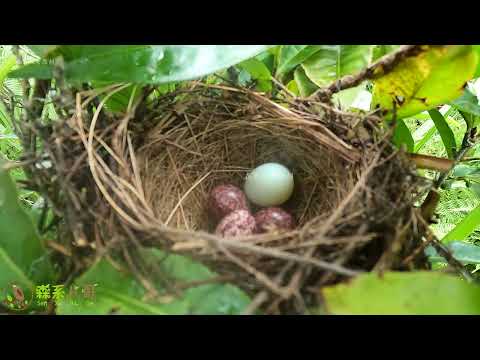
13 298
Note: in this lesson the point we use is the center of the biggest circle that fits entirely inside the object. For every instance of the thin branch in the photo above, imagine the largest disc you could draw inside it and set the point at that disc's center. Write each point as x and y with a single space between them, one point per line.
383 66
429 205
443 251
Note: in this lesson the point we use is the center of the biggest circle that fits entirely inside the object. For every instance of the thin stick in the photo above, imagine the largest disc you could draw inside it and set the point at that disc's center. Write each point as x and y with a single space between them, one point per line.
445 252
282 255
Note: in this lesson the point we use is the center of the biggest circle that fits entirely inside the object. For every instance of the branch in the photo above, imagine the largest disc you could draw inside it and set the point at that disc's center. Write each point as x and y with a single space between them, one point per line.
431 162
429 205
444 252
383 66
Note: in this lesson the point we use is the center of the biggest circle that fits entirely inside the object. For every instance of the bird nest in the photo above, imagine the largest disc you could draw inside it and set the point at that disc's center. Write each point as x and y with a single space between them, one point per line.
142 179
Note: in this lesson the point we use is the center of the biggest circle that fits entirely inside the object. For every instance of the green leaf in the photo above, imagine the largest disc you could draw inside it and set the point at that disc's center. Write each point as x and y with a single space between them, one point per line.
258 71
468 102
433 77
424 133
44 51
475 187
34 70
152 63
114 291
11 273
205 299
293 55
305 86
402 135
293 88
148 64
462 170
465 227
382 50
125 294
462 251
446 133
345 98
6 66
18 236
469 108
268 59
476 48
274 50
404 293
331 62
119 101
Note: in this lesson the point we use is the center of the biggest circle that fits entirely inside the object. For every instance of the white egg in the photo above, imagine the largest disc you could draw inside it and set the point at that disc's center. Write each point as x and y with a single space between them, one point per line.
270 184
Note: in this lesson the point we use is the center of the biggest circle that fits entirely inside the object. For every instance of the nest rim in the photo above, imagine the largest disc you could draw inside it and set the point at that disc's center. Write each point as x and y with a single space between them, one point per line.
118 164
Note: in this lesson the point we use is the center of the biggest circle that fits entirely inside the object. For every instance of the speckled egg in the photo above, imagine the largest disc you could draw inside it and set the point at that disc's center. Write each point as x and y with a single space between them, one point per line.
272 219
224 199
237 223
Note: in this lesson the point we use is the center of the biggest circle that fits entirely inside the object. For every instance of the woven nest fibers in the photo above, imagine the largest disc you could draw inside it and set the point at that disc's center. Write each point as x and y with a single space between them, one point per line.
143 179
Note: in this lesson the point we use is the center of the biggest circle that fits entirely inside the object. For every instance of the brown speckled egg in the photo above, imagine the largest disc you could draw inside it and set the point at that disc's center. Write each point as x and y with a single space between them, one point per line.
237 223
273 218
224 199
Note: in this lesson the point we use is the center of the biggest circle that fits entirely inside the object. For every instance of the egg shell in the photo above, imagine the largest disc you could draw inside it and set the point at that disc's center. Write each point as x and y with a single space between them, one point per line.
237 223
273 218
270 184
224 199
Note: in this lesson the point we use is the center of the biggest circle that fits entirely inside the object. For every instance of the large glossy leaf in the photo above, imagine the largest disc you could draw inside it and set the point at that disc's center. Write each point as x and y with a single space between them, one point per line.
462 251
114 291
34 70
331 62
291 56
404 293
205 299
268 59
305 86
149 64
446 133
465 227
18 237
435 76
122 293
258 71
402 136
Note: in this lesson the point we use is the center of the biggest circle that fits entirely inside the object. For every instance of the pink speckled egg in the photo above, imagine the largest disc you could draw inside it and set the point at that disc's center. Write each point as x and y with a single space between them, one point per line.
273 218
237 223
226 198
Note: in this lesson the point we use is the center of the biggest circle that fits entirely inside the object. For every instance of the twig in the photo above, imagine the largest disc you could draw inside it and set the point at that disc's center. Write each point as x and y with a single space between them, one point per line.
429 205
216 279
443 251
281 255
263 296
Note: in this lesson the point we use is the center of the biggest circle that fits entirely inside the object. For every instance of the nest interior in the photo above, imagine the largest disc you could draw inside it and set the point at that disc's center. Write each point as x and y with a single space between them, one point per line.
142 179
